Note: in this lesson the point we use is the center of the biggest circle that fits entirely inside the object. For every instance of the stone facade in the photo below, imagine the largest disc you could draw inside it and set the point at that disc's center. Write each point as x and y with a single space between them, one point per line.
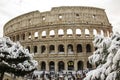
61 39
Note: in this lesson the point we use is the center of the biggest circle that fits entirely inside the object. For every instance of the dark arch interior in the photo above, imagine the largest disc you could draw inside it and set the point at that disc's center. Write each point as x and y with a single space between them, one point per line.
88 48
51 66
35 49
70 65
60 66
43 49
89 65
61 48
80 65
79 48
43 66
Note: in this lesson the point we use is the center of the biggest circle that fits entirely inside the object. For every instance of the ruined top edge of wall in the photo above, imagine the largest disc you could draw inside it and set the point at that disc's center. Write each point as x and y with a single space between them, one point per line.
66 11
62 9
74 7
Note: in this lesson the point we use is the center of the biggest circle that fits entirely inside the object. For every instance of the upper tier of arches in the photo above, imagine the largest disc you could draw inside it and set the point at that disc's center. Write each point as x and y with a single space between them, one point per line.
58 16
61 33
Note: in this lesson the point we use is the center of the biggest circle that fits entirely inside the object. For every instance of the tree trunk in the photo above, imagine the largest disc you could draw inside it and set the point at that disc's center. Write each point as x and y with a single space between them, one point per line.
1 75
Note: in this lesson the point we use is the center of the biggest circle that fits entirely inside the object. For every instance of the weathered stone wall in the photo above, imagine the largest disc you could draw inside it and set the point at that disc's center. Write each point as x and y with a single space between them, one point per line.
43 33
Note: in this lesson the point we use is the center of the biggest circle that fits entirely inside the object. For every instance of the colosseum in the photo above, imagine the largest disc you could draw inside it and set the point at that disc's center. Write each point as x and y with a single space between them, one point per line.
61 38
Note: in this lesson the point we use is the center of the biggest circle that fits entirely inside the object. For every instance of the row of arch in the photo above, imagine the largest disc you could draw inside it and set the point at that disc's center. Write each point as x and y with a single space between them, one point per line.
61 48
61 33
61 65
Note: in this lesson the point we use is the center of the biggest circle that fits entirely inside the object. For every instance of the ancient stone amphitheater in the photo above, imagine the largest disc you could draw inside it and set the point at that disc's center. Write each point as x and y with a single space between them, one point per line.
61 39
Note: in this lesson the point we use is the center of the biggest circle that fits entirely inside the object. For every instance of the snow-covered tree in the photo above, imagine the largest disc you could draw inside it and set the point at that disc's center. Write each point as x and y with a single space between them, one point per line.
15 59
106 57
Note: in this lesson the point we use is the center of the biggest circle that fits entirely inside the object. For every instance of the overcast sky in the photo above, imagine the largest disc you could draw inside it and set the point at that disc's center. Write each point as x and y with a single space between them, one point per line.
12 8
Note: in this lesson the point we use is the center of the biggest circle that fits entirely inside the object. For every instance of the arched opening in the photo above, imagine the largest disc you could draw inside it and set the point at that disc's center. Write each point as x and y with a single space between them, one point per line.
43 18
60 16
52 33
102 32
36 35
70 48
30 21
78 32
43 48
94 32
28 47
80 65
44 34
88 48
79 48
52 49
93 16
87 33
77 15
60 65
43 66
70 65
35 49
23 36
29 35
13 38
17 37
61 48
51 66
60 33
69 32
89 65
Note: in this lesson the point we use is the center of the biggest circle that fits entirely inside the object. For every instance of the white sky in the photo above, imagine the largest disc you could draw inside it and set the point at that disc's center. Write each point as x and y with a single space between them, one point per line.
12 8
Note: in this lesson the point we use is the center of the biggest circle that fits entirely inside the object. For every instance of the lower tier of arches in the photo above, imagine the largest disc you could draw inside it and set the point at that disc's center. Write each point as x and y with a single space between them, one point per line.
72 65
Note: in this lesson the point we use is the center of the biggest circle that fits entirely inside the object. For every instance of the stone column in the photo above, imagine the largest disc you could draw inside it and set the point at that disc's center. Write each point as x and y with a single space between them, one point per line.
65 48
74 48
47 65
39 65
83 32
56 48
98 31
26 35
47 33
56 33
75 65
91 33
65 33
47 49
66 66
31 49
84 47
39 34
74 34
32 35
85 63
39 49
56 65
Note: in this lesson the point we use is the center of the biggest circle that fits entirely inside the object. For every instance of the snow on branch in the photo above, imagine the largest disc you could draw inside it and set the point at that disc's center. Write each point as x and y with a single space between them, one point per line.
14 58
106 58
